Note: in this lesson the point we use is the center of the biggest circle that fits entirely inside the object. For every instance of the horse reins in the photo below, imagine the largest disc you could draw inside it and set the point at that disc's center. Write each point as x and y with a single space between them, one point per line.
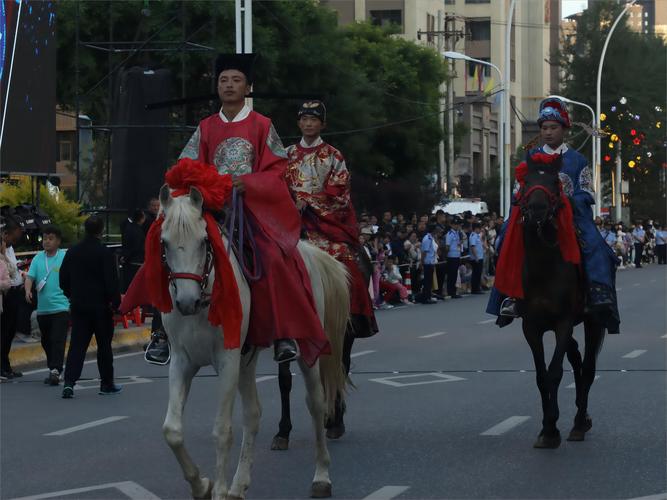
554 205
202 279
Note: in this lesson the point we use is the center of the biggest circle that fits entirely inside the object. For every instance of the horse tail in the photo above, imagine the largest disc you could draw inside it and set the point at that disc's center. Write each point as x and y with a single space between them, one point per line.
335 317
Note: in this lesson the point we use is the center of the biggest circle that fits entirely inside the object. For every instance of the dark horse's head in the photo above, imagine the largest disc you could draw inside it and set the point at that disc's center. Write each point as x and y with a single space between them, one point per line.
540 193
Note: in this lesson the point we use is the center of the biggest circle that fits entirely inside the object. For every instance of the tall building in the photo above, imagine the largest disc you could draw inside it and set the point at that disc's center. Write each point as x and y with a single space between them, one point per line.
410 15
534 40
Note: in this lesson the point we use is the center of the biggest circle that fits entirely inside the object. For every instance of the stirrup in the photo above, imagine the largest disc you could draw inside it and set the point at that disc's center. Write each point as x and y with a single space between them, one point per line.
294 357
155 339
508 308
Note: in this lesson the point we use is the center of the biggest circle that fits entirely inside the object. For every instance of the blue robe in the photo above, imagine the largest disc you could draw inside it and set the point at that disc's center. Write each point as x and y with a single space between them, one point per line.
598 259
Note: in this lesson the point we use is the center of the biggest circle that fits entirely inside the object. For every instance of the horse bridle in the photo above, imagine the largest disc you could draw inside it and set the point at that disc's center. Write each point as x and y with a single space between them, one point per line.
554 206
202 278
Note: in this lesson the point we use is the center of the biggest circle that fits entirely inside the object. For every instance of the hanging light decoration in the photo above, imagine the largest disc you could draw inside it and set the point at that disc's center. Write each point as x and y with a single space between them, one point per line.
603 117
631 164
611 145
636 141
633 132
607 158
613 109
623 100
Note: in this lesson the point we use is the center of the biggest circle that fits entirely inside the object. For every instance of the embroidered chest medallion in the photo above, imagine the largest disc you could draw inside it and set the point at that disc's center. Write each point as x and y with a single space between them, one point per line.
234 156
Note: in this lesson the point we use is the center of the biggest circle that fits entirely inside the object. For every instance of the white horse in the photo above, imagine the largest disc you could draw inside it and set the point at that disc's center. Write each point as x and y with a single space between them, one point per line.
196 343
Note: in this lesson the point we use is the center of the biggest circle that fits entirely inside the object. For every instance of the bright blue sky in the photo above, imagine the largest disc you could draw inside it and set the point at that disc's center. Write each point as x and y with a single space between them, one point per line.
569 7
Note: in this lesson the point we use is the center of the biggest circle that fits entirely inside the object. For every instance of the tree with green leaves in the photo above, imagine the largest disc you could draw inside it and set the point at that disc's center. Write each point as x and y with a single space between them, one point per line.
381 91
634 80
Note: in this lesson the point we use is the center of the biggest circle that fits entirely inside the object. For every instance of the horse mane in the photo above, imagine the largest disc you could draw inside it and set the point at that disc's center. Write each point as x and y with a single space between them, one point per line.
183 218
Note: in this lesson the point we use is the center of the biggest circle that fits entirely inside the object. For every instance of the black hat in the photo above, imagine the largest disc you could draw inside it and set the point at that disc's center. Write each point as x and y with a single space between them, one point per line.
241 62
313 108
457 220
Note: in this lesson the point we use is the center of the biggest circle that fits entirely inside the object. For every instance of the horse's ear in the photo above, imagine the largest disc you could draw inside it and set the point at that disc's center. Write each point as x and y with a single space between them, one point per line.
196 198
165 196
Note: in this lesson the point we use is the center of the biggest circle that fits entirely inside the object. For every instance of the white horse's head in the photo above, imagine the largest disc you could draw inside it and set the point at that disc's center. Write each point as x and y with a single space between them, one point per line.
185 249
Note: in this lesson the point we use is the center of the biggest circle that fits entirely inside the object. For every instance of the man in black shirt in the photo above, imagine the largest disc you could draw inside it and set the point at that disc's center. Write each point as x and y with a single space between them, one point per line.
89 280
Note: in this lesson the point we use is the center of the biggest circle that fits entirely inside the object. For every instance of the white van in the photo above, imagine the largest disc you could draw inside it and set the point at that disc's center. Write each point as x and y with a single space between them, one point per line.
460 205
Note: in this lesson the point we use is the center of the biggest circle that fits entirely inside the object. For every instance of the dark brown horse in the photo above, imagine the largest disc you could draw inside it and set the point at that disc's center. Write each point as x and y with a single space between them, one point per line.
554 300
358 326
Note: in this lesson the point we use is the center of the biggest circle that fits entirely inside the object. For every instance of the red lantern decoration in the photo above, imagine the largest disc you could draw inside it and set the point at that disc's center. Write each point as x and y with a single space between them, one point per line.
633 132
607 158
636 141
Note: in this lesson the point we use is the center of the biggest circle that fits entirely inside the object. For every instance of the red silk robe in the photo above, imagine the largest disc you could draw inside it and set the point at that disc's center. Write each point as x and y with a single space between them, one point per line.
317 175
282 300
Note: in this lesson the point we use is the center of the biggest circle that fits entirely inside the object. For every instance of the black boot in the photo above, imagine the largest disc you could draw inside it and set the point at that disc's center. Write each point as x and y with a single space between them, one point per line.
157 351
285 350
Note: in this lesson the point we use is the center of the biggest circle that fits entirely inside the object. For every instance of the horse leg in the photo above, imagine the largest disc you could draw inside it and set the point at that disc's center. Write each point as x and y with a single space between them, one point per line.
574 357
321 487
227 367
281 440
594 338
535 342
180 377
252 412
551 434
336 425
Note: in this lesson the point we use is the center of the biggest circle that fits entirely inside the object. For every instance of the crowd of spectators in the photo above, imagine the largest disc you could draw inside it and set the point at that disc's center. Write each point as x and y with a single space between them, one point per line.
414 255
396 245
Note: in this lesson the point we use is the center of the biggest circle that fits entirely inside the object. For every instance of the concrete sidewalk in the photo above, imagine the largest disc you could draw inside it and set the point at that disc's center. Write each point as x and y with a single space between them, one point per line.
23 354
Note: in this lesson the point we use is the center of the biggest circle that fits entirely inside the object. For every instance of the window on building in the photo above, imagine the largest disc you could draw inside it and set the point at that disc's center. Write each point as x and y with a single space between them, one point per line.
450 2
479 30
478 1
486 70
64 151
386 17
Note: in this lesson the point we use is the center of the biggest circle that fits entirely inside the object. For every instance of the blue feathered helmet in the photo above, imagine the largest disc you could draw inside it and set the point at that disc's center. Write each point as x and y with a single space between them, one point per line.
555 110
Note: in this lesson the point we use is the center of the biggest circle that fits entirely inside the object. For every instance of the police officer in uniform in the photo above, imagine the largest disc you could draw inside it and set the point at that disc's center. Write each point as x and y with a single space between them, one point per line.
453 249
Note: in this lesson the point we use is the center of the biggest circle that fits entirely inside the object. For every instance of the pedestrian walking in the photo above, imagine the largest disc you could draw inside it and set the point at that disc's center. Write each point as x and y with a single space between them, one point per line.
453 248
638 239
11 235
88 279
52 305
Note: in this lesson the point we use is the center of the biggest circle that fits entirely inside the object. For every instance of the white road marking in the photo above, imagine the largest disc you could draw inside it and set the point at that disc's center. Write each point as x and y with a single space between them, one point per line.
127 355
430 335
87 425
664 337
131 489
94 383
619 289
387 493
635 284
505 426
652 281
658 496
436 378
267 377
486 321
361 353
573 385
635 354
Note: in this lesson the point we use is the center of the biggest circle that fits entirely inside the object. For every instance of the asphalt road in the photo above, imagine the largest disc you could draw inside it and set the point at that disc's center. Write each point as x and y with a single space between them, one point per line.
434 415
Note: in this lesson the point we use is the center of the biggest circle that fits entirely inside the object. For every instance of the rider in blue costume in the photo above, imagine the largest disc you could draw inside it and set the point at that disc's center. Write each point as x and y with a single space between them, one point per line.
598 259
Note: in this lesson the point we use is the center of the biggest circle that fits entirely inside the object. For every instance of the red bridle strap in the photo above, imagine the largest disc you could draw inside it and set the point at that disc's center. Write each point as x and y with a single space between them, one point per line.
186 276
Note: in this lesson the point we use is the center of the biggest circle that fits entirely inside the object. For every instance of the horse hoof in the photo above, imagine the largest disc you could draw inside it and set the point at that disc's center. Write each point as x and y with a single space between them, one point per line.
320 489
336 432
280 443
545 441
576 435
206 490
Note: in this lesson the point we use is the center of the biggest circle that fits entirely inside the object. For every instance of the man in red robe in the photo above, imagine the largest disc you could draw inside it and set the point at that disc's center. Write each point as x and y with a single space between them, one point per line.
244 143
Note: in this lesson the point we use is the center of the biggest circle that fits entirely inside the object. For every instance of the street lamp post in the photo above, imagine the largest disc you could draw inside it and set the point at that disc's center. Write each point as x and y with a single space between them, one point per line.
503 110
598 106
507 196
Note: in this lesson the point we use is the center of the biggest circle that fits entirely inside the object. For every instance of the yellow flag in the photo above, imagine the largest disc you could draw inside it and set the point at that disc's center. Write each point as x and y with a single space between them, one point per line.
475 78
489 85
